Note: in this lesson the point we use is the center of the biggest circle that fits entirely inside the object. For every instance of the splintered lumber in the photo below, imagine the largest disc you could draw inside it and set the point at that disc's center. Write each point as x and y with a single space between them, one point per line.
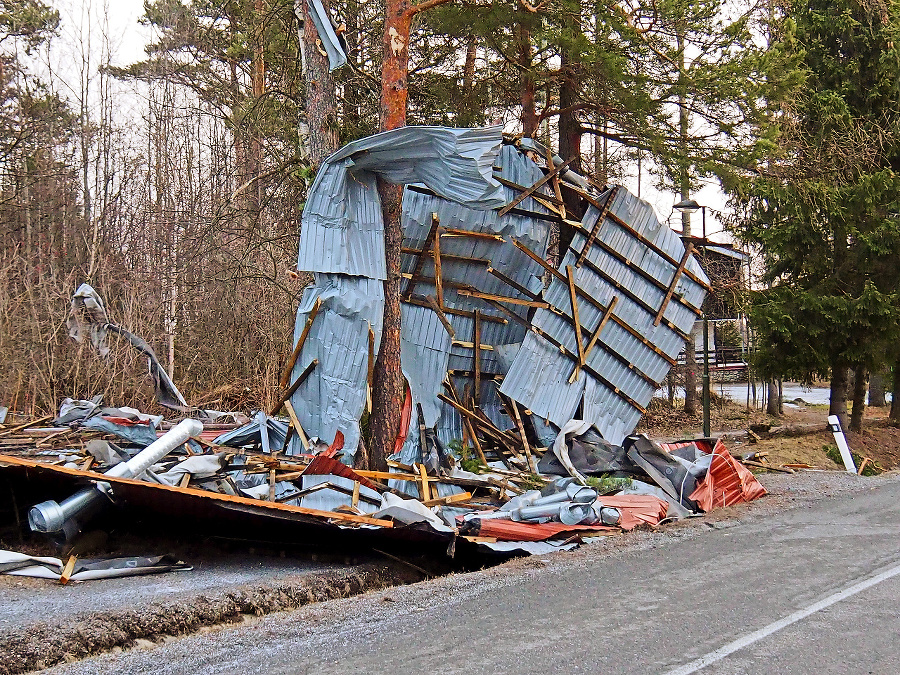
286 375
420 257
573 301
862 465
67 570
432 301
689 249
521 188
521 427
301 378
452 499
522 196
20 427
423 475
770 467
467 424
487 236
502 298
295 423
555 183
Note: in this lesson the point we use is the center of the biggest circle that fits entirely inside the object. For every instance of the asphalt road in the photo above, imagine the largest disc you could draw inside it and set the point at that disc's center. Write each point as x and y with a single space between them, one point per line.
813 589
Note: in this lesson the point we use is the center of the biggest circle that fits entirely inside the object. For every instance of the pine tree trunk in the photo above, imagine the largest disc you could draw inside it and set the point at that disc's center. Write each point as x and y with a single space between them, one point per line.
321 101
876 391
859 399
840 388
895 395
387 398
772 398
527 93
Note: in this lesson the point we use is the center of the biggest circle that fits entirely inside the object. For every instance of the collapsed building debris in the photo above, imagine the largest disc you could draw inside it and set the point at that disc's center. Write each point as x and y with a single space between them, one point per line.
534 334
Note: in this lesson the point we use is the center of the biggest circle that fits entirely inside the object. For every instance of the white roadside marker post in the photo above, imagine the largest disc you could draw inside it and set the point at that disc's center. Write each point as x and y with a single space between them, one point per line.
835 425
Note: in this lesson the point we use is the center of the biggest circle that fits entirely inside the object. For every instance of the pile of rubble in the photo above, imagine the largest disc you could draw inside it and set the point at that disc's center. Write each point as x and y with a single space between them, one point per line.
541 312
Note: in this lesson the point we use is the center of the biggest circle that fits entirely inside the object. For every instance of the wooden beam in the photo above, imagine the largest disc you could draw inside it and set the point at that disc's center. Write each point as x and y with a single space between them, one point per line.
522 196
471 345
467 423
476 354
487 236
675 277
295 421
290 392
422 301
594 230
501 298
433 303
451 257
513 284
573 301
426 490
286 375
522 188
420 257
438 279
514 408
555 183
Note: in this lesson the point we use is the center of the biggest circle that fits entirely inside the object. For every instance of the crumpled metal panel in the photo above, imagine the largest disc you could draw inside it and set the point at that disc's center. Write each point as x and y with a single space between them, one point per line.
333 397
342 228
538 378
327 35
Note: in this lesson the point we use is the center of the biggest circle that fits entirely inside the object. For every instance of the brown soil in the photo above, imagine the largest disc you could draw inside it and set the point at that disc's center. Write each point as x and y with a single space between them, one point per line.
799 435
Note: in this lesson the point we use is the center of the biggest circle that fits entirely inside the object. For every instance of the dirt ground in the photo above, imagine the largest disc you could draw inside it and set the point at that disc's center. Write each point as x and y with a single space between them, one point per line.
796 437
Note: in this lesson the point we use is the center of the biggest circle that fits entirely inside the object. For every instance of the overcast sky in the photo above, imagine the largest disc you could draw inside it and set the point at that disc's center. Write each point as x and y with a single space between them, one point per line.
128 39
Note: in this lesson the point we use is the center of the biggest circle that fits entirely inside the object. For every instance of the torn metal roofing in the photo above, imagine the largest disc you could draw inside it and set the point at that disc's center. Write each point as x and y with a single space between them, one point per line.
638 268
333 397
342 229
327 35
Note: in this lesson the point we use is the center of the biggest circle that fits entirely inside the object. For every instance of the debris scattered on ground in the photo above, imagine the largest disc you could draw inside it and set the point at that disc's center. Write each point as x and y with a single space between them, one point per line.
74 569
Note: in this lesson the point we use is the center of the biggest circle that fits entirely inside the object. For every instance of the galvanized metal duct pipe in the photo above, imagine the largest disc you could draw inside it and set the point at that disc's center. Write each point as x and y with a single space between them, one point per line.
51 516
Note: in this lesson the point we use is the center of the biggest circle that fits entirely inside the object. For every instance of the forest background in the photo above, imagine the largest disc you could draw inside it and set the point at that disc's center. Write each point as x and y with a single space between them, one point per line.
174 184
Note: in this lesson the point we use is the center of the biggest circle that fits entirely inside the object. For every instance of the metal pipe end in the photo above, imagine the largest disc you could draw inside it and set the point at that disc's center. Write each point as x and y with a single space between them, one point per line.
46 517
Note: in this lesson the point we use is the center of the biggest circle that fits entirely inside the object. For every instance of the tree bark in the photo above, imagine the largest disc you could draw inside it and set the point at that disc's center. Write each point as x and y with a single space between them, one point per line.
876 391
840 386
895 395
321 100
527 93
859 399
387 398
772 398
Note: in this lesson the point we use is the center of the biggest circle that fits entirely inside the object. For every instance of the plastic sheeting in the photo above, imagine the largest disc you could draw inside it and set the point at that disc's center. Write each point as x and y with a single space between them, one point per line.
88 316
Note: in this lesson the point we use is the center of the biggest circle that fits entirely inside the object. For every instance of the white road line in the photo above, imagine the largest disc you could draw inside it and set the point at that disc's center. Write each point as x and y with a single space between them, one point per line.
757 635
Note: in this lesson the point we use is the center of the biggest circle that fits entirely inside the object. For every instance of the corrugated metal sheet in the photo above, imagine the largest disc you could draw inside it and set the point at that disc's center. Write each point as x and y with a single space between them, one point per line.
539 376
342 230
330 41
333 397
